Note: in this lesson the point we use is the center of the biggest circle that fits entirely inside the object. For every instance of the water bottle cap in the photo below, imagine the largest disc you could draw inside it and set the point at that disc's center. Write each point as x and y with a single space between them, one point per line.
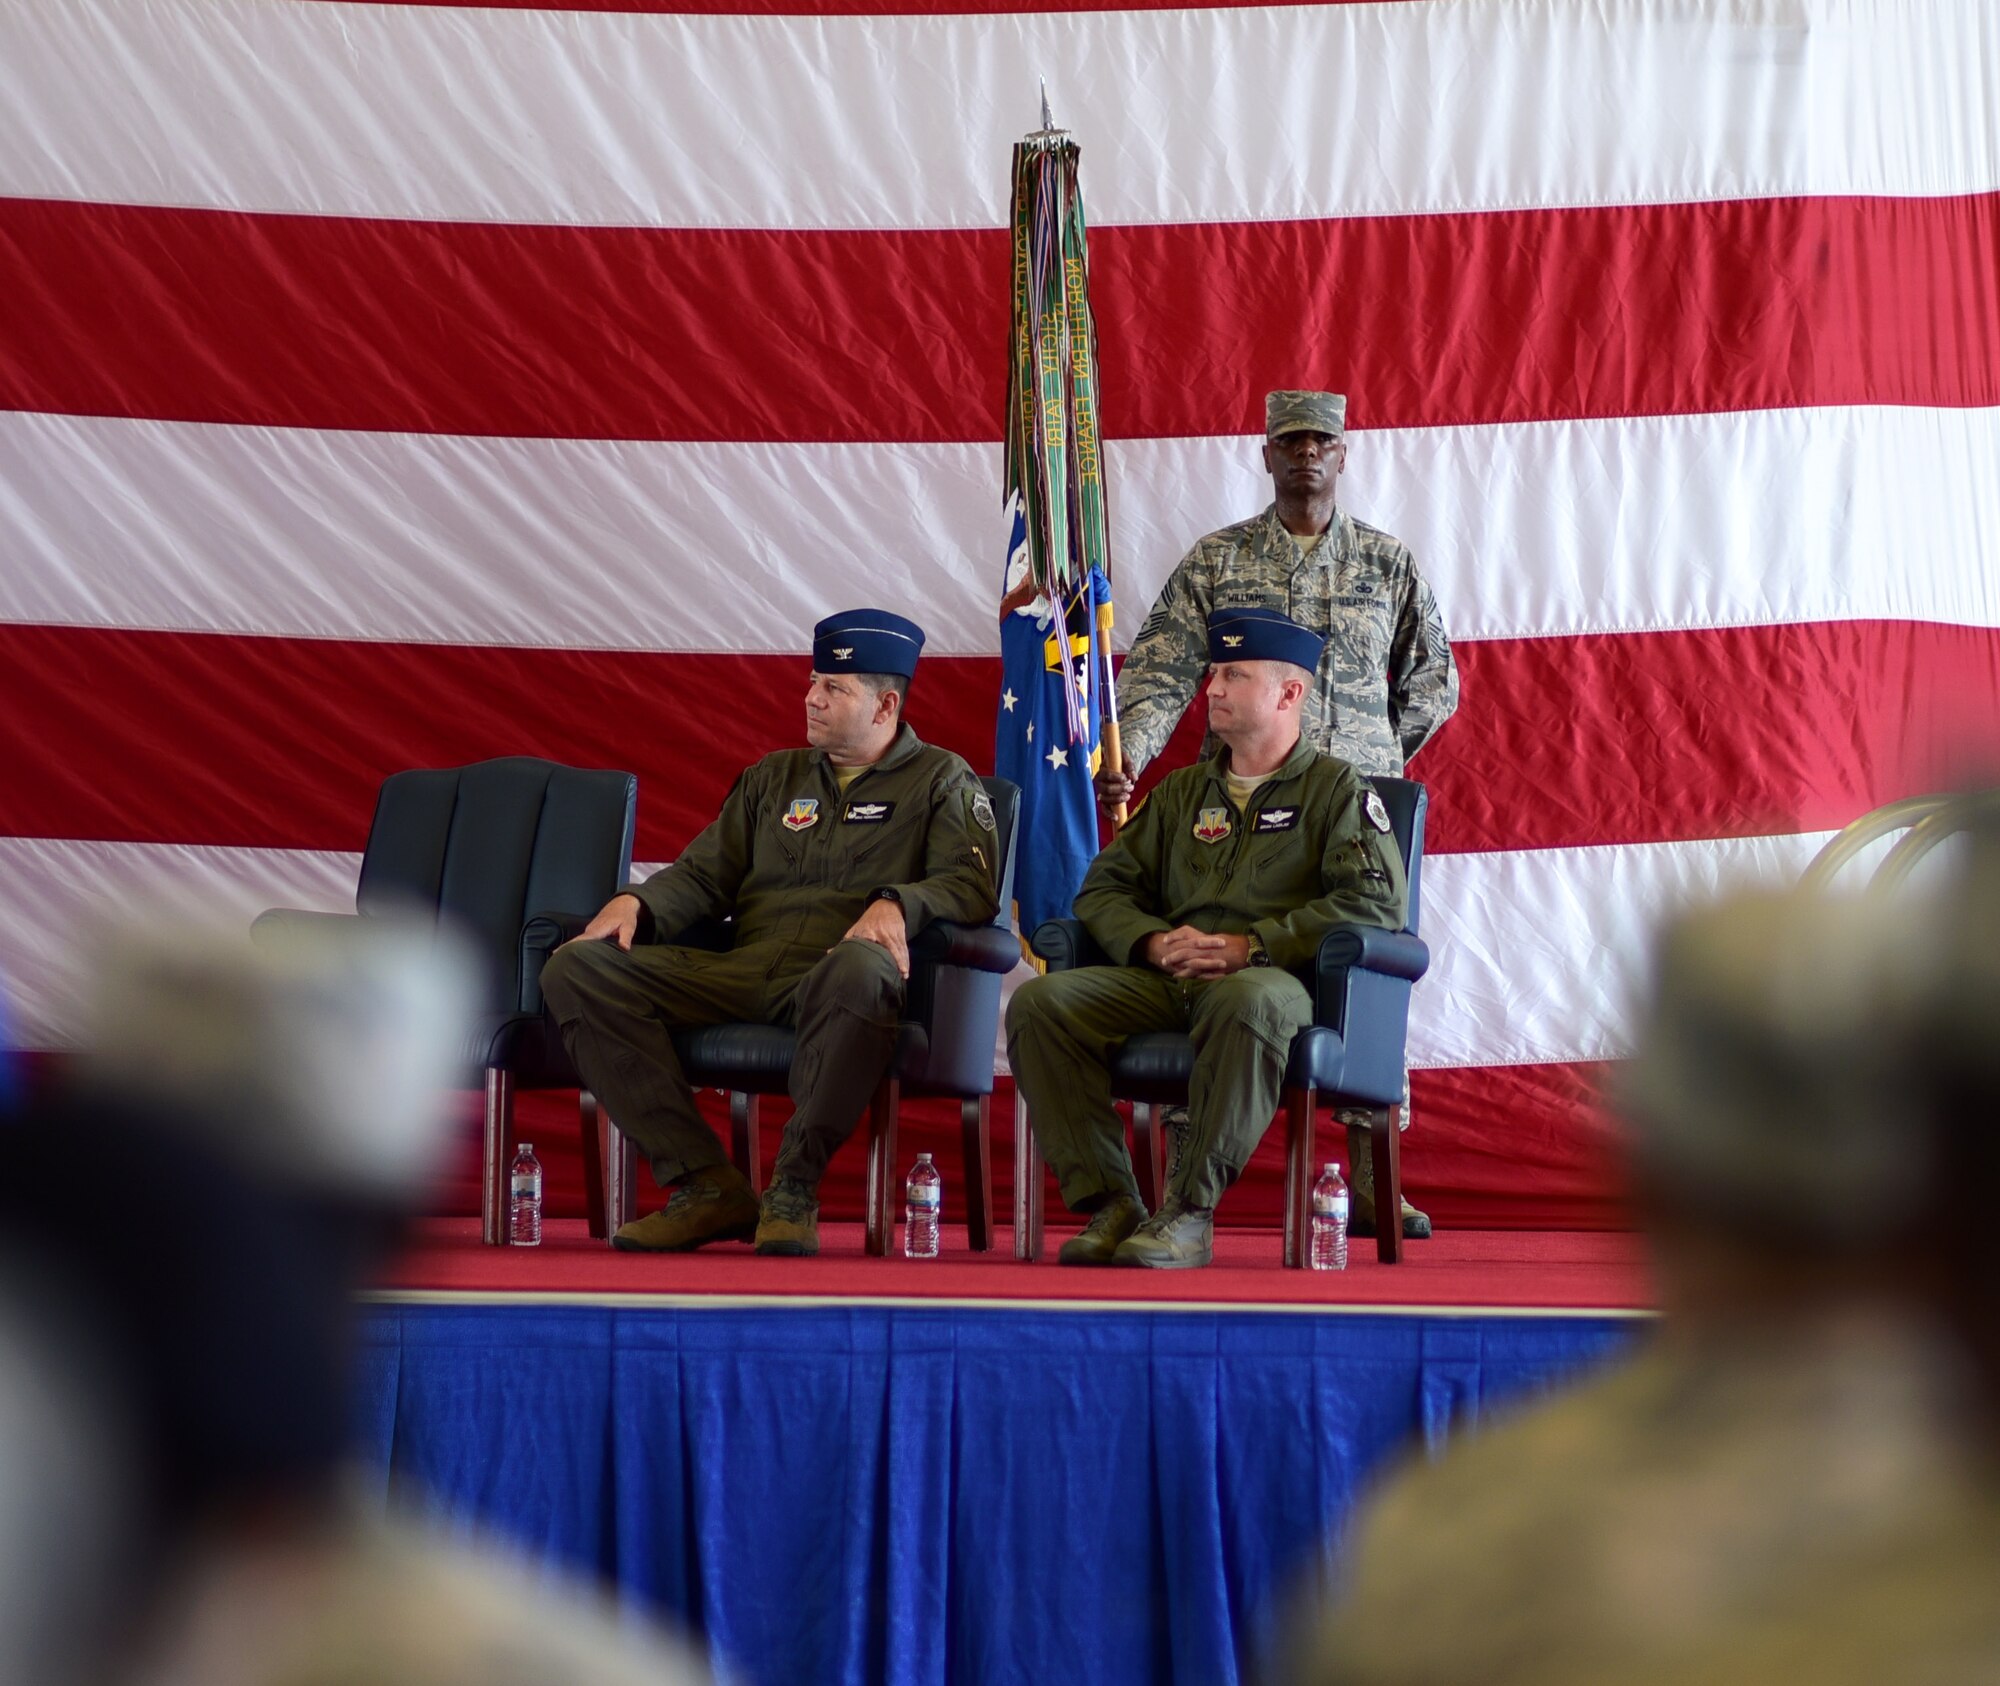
923 1159
1332 1165
525 1147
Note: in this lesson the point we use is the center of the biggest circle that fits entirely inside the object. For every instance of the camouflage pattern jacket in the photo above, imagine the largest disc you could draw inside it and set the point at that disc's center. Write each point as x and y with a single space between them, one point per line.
1386 682
796 861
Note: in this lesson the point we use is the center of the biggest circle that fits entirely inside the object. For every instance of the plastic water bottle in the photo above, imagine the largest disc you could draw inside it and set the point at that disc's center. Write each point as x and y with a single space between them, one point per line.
524 1210
925 1205
1329 1221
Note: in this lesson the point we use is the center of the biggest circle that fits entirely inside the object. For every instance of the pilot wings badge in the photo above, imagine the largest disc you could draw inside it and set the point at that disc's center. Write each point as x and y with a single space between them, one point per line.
1211 825
804 811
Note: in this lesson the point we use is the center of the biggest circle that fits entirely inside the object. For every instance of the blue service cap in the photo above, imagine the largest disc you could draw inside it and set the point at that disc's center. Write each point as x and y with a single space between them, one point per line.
867 641
1262 635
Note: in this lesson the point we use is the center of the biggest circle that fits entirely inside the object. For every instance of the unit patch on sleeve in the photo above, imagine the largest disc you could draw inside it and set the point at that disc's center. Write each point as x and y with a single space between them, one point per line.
1378 816
803 812
982 812
867 813
1278 819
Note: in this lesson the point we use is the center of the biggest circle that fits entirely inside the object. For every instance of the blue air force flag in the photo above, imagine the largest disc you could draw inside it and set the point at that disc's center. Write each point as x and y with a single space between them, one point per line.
1046 734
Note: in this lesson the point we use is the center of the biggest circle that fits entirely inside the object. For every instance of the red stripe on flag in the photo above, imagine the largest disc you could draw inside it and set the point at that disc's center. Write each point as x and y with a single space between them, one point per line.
695 334
1643 737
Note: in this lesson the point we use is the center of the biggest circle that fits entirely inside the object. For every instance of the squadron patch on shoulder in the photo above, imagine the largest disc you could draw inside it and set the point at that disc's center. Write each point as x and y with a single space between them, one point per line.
803 812
982 812
867 813
1378 816
1211 825
1277 819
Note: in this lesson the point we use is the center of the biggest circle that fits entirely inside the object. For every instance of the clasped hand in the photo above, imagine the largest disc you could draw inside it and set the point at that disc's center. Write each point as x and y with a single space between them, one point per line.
1188 953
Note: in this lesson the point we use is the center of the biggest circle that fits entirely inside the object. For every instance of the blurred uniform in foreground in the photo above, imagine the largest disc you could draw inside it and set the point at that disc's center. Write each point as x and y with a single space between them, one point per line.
1797 1478
279 1109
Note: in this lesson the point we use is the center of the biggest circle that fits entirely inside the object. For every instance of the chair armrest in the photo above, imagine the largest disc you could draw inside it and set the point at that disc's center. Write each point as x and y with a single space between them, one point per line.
1396 954
1067 944
985 948
274 921
541 936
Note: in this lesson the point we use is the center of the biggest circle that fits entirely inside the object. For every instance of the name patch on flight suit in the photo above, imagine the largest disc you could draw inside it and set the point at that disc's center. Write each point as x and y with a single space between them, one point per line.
867 813
1211 825
803 812
1278 819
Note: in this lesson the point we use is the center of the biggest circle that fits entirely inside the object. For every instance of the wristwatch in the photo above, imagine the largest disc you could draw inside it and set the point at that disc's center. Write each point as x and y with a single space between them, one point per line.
1259 956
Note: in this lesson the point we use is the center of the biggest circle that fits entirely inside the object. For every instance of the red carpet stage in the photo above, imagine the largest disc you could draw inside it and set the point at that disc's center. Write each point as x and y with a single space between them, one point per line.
1471 1269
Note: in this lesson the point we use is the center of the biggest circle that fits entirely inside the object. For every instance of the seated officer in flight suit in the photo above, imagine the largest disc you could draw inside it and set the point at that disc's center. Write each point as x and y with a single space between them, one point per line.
830 858
1221 884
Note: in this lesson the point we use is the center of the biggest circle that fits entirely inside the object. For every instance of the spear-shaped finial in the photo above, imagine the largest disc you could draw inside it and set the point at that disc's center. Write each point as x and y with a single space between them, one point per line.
1048 122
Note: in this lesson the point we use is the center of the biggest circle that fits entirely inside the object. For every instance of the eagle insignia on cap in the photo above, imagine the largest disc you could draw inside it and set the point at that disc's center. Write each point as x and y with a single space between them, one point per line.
1211 825
1378 816
804 811
1232 639
843 653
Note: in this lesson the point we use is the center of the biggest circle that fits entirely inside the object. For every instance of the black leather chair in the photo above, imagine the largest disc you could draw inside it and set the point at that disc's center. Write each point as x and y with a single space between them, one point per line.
484 849
944 1047
1351 1056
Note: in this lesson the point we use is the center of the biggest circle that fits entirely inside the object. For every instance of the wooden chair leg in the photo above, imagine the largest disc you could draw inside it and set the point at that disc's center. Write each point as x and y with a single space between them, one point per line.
1385 1137
745 1144
1028 1179
1149 1164
976 1120
621 1175
1298 1175
882 1111
496 1150
593 1162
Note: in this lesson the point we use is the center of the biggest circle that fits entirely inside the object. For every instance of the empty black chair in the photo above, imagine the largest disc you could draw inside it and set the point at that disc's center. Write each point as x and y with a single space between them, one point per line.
1351 1056
483 849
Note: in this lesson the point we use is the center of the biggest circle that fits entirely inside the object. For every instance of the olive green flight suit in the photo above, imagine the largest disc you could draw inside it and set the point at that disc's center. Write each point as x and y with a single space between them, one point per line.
795 861
1310 850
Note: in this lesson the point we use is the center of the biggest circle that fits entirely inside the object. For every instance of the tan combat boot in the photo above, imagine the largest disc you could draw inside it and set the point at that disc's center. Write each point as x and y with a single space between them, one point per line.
1176 1237
788 1225
715 1204
1109 1225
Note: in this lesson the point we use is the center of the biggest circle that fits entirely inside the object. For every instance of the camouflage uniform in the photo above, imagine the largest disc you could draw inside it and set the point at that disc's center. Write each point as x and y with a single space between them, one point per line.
1387 681
1789 1502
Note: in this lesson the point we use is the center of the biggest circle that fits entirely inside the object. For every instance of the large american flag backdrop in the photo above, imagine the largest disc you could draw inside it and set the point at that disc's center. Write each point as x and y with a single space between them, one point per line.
399 385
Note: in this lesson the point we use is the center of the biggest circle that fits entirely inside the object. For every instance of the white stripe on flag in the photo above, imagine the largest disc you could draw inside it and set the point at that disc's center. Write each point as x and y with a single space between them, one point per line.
905 122
1532 950
1758 518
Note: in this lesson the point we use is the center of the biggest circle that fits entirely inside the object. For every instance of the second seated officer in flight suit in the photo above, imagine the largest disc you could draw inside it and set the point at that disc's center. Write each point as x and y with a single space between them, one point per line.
1221 884
830 858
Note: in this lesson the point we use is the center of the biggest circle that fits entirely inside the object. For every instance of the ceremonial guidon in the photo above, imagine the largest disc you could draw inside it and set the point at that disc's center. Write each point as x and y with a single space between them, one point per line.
806 843
1274 858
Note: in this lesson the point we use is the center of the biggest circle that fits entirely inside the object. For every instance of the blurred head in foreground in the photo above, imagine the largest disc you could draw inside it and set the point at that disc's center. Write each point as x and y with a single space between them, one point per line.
1796 1478
270 1113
